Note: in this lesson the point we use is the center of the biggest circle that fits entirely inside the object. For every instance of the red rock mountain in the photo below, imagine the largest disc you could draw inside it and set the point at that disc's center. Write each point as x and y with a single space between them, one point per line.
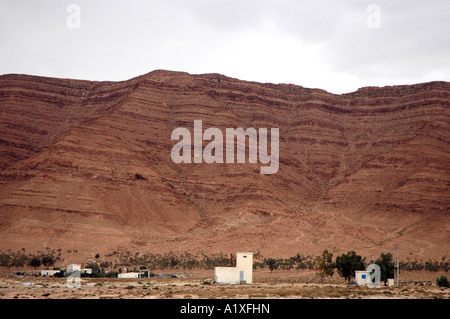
87 165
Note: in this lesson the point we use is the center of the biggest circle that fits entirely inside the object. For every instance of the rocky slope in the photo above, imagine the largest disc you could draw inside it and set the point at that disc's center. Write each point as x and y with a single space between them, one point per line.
87 165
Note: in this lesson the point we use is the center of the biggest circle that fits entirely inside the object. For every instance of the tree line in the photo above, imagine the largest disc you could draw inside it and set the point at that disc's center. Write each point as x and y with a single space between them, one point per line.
324 265
20 258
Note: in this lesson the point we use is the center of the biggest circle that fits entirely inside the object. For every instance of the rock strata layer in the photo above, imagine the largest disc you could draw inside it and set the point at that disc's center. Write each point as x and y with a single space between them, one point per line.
86 165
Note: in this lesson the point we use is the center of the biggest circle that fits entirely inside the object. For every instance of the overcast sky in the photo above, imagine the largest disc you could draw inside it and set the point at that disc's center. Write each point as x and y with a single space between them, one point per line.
335 45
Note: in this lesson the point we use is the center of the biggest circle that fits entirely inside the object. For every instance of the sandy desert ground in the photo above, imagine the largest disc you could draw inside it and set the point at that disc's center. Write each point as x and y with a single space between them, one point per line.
199 285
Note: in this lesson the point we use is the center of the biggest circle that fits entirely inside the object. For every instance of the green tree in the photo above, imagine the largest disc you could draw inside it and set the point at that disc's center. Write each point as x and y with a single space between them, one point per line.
443 282
272 263
35 262
386 266
94 266
47 260
347 264
324 266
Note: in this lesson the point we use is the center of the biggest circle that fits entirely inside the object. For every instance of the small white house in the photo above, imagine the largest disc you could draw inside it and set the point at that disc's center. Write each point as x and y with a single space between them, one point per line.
86 271
361 277
241 274
128 275
244 262
227 275
49 273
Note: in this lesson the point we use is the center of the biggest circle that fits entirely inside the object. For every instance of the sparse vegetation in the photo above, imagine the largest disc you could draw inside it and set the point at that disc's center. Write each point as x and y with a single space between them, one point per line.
429 265
99 272
271 263
443 282
139 177
347 264
199 284
168 260
324 265
20 258
110 264
386 266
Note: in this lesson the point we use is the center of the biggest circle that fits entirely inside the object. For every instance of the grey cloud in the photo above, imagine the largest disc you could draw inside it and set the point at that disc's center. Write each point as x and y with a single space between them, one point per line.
410 42
121 39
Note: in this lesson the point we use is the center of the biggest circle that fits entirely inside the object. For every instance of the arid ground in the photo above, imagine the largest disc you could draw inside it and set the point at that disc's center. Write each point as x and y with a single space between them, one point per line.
199 285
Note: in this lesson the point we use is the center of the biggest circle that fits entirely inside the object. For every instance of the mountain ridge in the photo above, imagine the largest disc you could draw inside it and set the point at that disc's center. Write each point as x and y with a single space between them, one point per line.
89 161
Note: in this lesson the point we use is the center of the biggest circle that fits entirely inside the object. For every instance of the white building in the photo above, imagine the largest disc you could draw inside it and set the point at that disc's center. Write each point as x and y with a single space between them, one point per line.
49 273
227 275
244 262
86 271
128 275
241 274
361 277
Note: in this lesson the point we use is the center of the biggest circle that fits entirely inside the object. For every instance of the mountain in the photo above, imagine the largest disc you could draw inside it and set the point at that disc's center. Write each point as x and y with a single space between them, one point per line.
87 165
